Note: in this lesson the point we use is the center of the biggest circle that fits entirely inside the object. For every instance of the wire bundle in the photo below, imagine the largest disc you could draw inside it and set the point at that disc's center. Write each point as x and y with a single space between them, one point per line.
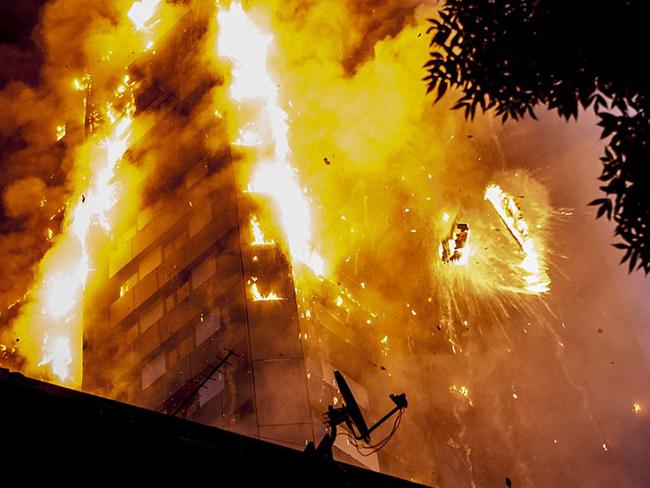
370 449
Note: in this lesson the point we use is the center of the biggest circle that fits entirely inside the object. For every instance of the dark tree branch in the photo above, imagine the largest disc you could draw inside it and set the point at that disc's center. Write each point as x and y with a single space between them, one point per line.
509 56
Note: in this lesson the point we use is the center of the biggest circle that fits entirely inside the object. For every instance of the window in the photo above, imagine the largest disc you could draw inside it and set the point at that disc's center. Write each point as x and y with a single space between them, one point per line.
150 261
128 284
168 250
151 315
169 302
153 370
203 271
213 386
197 172
183 291
175 244
180 240
144 217
128 234
200 219
208 324
132 334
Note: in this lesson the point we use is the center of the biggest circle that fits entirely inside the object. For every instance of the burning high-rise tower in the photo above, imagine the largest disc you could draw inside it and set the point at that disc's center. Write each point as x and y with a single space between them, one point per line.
202 269
271 179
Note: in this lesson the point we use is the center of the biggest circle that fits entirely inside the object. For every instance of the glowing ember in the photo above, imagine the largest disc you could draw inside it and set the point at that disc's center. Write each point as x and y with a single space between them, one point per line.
60 132
81 84
636 407
123 87
536 279
258 235
384 345
462 391
241 41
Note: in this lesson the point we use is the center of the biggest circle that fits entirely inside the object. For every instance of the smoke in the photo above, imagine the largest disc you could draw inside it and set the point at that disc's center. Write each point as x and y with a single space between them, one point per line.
20 58
600 315
31 185
375 21
381 165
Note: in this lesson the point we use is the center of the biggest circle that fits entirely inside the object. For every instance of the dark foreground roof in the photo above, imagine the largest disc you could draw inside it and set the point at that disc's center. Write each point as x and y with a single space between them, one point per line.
50 424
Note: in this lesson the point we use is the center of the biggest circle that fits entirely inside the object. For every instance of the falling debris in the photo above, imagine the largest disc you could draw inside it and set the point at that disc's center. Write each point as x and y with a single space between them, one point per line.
60 132
537 280
463 391
455 248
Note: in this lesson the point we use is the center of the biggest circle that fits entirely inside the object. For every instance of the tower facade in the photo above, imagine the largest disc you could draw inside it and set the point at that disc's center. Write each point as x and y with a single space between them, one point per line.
194 316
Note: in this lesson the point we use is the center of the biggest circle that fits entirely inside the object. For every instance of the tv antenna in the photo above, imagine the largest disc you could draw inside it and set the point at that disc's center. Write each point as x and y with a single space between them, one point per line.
351 415
183 398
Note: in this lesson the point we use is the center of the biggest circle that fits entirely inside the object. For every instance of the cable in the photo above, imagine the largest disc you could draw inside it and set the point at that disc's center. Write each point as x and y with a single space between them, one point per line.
373 448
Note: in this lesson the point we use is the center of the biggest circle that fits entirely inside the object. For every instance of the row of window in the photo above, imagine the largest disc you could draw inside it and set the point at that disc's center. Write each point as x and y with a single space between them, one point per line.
155 256
207 325
165 304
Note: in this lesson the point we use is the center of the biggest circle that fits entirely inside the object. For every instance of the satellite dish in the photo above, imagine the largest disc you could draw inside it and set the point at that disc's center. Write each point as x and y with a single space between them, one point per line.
354 416
350 413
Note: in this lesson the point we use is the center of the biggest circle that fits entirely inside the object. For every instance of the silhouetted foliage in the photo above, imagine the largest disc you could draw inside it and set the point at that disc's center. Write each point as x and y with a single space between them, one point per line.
512 55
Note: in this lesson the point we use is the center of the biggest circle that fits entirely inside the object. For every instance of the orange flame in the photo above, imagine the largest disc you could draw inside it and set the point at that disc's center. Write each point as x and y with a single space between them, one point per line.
258 235
257 296
241 41
52 321
462 391
50 324
141 12
60 132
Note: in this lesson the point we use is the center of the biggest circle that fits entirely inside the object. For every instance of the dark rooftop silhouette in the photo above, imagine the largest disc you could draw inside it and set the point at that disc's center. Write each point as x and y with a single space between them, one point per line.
59 424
